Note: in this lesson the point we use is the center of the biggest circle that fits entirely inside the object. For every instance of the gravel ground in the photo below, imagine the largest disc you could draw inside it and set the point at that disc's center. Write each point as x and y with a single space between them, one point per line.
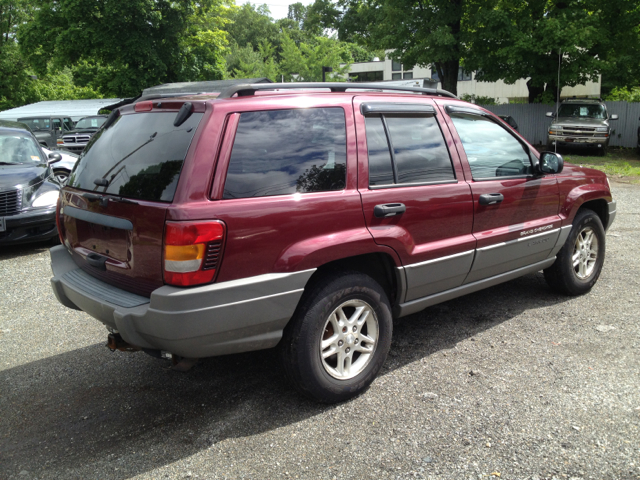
514 382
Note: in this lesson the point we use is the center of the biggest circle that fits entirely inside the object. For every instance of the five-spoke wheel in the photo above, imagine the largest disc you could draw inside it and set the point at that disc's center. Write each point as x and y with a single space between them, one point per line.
579 261
338 340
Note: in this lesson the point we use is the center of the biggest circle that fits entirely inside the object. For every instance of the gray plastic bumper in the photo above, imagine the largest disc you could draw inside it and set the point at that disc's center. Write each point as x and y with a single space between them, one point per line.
217 319
612 214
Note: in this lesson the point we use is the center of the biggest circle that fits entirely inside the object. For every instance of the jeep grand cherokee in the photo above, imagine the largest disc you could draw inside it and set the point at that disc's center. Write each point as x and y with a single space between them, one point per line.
308 216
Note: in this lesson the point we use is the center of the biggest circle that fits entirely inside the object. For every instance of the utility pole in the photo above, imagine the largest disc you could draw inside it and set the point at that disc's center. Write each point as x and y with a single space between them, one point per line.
324 71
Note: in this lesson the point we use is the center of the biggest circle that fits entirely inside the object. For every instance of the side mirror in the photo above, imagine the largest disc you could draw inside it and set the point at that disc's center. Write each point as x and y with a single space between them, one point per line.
550 114
54 157
613 117
550 162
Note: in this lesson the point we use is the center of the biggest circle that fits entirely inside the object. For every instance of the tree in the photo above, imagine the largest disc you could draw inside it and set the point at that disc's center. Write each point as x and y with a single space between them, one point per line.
532 39
251 25
424 33
304 62
123 46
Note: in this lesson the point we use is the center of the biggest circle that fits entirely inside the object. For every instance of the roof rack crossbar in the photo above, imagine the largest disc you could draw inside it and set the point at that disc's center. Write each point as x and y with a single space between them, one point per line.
251 89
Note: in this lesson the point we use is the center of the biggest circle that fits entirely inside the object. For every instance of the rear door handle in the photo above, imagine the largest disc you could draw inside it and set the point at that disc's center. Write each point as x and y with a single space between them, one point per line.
389 210
491 198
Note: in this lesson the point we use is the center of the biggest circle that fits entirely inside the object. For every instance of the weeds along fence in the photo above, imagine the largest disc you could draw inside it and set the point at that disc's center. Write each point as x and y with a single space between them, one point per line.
533 124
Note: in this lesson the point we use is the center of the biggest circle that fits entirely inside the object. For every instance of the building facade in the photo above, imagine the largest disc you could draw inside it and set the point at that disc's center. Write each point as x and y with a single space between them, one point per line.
387 69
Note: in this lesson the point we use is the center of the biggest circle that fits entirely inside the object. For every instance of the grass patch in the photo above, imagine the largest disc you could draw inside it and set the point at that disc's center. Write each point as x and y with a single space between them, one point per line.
618 163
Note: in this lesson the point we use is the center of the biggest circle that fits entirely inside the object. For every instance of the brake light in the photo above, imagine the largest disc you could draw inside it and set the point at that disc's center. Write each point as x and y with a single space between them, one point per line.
59 219
192 252
143 106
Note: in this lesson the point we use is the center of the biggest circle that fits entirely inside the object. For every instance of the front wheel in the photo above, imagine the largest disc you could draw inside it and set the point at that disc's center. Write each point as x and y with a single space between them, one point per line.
579 262
62 176
338 340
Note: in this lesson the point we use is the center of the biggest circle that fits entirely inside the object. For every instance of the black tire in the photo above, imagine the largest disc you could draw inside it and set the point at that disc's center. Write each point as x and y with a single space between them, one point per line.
602 151
62 176
562 275
301 349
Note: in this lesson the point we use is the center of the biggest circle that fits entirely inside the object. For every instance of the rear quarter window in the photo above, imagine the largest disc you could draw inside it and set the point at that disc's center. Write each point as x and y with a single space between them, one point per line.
140 154
280 152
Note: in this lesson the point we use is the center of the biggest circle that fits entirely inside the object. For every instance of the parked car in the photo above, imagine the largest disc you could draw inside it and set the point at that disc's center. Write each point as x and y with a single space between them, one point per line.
309 219
581 122
63 168
28 189
48 129
508 119
77 139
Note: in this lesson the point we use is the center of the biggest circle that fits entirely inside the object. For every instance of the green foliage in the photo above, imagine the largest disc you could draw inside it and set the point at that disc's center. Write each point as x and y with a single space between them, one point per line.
120 47
257 64
304 62
425 33
624 95
478 100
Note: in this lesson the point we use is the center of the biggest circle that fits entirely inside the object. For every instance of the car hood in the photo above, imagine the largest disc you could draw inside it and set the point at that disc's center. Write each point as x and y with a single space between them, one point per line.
12 176
583 122
82 130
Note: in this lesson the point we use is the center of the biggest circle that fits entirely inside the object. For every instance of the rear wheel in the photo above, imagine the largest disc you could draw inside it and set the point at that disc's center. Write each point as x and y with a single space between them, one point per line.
579 262
339 338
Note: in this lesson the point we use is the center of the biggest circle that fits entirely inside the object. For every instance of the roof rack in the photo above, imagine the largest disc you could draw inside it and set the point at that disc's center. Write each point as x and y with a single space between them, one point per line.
251 89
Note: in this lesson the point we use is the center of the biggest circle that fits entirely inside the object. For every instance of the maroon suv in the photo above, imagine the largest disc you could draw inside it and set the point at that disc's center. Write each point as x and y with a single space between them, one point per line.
309 216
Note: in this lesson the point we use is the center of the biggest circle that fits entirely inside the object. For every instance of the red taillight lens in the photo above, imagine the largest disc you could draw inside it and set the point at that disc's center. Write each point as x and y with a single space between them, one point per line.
59 223
143 106
191 252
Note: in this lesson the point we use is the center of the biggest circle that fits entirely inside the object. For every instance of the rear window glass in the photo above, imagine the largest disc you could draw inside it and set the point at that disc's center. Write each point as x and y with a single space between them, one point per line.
281 152
140 155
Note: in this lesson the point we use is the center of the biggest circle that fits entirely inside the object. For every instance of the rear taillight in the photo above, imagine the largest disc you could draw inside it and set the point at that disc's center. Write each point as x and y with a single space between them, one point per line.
191 252
59 222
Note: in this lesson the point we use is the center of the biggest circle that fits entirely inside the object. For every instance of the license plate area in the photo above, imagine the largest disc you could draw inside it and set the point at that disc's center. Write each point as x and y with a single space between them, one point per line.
108 241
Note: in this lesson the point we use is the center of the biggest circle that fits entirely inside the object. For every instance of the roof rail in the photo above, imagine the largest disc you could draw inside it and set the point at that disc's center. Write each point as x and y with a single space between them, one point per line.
251 89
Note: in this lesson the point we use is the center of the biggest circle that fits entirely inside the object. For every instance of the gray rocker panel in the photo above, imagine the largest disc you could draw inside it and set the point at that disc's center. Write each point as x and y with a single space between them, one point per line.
437 275
507 256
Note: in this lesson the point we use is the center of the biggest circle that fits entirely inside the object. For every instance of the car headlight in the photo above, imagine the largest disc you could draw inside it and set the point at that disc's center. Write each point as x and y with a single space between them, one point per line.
602 129
46 199
555 128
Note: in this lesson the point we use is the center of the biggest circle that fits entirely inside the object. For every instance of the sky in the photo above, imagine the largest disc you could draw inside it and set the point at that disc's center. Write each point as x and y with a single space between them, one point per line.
278 8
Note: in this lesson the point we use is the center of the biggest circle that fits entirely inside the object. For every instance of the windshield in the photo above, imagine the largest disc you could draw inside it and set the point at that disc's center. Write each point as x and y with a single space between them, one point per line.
582 111
91 122
140 156
37 123
18 149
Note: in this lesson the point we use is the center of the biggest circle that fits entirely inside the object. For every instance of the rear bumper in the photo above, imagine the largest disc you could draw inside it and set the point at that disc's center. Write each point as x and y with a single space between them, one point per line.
33 226
218 319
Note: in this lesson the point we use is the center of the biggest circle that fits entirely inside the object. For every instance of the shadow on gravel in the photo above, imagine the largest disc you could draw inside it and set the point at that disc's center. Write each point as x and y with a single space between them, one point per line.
7 252
93 409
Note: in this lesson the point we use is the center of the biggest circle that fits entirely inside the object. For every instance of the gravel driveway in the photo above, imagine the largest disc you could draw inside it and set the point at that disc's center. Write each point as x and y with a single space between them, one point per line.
514 382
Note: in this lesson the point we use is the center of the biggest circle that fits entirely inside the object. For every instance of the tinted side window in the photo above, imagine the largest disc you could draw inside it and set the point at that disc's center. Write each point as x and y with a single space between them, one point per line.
491 150
281 152
380 169
419 153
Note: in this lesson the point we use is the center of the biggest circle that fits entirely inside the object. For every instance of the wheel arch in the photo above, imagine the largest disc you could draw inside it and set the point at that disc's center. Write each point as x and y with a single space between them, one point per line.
600 207
379 266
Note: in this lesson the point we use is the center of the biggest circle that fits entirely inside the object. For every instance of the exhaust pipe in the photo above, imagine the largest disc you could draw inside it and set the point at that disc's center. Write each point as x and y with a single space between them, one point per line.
116 342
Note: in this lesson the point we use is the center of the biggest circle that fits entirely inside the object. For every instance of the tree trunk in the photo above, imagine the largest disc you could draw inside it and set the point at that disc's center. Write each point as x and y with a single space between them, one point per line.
448 73
535 92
